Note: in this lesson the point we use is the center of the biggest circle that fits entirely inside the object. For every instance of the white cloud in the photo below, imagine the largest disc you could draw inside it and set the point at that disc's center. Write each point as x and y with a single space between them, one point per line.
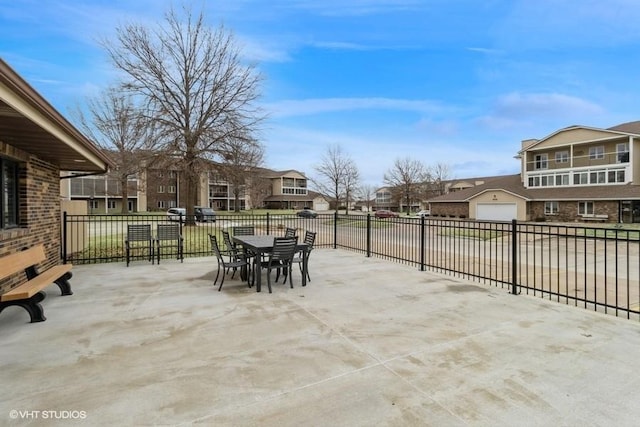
302 149
514 109
341 46
290 108
355 7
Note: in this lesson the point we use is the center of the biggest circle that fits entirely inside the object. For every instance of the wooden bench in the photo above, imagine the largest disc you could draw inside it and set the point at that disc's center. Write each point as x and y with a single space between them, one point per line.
29 294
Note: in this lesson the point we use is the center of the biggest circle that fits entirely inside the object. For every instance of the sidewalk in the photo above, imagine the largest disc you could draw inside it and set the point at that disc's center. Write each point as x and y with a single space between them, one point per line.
367 342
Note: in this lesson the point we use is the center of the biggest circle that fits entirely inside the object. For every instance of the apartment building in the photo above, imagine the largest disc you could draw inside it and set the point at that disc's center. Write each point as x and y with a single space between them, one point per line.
577 173
158 189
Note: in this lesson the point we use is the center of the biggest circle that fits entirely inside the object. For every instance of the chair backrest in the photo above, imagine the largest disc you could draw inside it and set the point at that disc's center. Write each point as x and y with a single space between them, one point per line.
227 241
284 248
138 232
290 232
310 238
168 232
244 231
215 248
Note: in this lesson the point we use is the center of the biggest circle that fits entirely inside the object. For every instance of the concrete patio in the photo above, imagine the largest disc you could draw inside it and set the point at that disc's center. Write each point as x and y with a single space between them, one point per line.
367 342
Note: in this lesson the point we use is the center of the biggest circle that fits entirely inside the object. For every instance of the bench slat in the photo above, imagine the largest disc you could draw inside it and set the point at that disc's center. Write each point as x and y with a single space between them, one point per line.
38 283
17 262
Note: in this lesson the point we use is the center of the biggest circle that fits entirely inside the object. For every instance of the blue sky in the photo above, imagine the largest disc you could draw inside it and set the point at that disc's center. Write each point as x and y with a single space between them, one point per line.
460 82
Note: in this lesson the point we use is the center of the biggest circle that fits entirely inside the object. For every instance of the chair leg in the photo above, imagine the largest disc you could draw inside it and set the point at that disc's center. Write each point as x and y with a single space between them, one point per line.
221 282
269 279
290 269
301 271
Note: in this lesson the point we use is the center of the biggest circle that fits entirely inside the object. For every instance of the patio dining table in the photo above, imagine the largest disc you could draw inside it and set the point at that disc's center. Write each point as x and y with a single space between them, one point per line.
263 244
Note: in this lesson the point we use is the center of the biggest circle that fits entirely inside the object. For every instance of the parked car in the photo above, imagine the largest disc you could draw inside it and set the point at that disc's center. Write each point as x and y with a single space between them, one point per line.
307 213
383 213
424 213
176 214
204 214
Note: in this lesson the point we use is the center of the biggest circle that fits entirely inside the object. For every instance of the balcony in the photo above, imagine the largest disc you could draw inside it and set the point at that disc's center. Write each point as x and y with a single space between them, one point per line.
367 342
583 176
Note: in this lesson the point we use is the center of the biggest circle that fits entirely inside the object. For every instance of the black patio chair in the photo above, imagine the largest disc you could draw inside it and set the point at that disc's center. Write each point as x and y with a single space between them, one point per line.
309 239
224 265
138 239
280 258
244 230
233 251
169 236
290 232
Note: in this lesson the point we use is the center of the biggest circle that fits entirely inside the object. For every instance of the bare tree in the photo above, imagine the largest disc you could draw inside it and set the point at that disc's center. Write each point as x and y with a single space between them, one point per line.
367 194
258 188
338 175
350 182
437 177
406 178
118 126
240 157
200 93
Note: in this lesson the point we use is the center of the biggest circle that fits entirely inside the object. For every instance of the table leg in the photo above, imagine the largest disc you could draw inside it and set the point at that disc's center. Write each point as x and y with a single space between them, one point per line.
304 267
257 270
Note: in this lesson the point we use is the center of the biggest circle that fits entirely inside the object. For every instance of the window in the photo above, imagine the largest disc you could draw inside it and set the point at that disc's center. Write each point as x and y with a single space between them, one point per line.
93 204
160 188
585 208
596 153
597 177
171 189
541 161
551 208
562 157
9 200
161 204
622 152
172 203
581 178
111 204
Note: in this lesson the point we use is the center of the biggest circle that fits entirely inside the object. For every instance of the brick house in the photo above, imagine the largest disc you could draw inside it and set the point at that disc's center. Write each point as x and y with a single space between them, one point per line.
36 144
577 173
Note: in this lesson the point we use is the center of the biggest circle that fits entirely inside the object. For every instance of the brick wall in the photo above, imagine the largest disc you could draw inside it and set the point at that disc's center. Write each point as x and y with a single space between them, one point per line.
450 209
568 211
39 211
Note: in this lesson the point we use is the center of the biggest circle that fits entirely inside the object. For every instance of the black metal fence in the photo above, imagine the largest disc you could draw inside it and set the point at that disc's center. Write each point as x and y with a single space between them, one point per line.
590 266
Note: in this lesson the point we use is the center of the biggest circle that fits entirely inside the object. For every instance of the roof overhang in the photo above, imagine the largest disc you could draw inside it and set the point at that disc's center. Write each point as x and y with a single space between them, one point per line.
29 123
500 190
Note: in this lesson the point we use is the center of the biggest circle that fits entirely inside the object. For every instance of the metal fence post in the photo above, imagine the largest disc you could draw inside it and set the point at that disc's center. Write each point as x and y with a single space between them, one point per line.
268 223
422 245
64 237
335 229
368 235
514 257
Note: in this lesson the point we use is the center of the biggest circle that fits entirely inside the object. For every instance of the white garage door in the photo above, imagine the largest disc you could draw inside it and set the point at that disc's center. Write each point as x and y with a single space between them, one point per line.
496 211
